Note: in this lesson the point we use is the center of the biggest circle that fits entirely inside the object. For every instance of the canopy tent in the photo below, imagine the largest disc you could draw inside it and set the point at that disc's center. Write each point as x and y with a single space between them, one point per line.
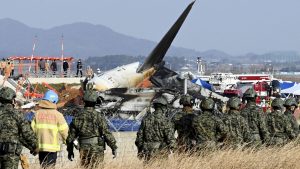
292 90
203 83
297 92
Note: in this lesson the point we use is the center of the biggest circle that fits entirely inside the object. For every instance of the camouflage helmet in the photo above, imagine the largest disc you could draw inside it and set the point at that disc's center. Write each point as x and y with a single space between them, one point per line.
277 102
250 93
290 102
186 100
207 104
90 96
7 94
234 103
160 100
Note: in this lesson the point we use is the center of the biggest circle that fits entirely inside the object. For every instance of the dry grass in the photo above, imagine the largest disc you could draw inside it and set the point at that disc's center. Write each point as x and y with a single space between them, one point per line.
266 158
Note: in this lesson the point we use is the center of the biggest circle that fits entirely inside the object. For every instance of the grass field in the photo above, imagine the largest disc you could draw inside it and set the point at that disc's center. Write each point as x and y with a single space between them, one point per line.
286 157
266 158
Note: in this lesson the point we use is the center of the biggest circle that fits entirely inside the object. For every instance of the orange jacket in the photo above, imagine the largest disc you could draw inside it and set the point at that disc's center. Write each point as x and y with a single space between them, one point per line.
49 126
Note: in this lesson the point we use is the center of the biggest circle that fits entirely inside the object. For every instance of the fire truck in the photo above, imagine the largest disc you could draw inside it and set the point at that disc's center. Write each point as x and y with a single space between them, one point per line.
265 86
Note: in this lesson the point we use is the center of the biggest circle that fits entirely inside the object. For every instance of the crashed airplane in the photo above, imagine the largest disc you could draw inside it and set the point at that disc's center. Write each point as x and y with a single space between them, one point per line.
129 76
118 90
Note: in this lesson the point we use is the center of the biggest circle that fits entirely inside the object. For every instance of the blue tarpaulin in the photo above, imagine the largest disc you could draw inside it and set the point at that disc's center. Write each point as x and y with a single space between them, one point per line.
202 83
286 85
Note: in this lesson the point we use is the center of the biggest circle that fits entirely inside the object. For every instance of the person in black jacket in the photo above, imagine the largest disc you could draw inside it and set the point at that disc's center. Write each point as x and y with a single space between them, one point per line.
53 67
65 67
79 68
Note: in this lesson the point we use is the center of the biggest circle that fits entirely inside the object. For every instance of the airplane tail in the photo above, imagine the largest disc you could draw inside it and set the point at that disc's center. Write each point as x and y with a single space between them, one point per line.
158 53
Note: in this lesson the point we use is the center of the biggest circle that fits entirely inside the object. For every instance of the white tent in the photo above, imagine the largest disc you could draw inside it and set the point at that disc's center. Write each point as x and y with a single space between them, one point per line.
297 92
292 90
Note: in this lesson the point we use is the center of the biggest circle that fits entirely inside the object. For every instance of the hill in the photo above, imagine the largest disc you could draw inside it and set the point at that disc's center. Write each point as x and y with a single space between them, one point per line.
81 40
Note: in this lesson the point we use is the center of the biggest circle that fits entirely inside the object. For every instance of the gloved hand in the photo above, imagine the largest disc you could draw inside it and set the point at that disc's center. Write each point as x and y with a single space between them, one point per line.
114 153
34 152
70 155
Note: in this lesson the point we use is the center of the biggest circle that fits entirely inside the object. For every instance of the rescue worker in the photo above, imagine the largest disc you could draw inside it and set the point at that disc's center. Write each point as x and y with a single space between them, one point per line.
92 132
155 138
278 125
53 67
79 68
15 132
238 129
49 125
183 124
255 118
291 105
65 68
42 65
209 128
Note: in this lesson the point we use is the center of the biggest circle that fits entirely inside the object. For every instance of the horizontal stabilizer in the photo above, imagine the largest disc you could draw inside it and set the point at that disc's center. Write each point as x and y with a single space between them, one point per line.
162 47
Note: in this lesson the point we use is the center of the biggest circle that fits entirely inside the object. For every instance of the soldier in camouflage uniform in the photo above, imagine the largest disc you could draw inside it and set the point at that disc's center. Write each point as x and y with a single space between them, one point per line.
238 129
255 118
14 133
278 125
182 121
291 105
91 130
155 137
209 129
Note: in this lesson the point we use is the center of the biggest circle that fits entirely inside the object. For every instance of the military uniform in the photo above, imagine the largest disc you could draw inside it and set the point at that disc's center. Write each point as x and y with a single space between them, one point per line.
91 130
183 125
156 135
291 105
292 120
209 129
182 122
14 133
278 125
255 118
238 129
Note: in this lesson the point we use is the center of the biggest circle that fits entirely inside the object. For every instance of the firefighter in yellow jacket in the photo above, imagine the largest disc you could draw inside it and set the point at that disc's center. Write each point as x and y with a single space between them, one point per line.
49 125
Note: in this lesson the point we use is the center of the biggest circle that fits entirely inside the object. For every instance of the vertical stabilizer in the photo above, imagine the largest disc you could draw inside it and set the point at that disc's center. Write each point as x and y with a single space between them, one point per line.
158 53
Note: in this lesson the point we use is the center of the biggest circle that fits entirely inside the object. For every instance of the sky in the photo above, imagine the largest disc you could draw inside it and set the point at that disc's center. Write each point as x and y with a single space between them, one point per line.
234 26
